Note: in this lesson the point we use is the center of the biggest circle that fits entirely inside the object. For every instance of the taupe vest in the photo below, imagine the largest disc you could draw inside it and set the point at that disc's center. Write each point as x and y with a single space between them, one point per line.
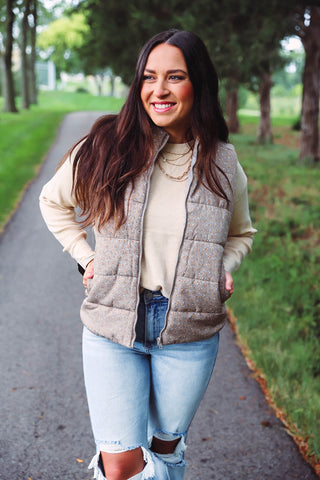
196 309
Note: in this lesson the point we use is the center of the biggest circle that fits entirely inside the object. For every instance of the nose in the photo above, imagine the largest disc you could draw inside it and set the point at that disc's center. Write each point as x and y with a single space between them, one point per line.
161 89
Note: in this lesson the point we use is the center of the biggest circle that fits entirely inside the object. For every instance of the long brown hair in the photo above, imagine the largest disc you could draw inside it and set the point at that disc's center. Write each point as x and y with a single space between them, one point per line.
120 147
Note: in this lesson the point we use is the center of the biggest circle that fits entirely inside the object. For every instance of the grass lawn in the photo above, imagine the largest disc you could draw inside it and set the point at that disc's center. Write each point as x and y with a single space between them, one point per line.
276 299
28 135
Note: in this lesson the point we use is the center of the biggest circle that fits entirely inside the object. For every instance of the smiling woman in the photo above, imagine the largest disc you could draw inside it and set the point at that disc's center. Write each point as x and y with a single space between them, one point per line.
167 91
168 201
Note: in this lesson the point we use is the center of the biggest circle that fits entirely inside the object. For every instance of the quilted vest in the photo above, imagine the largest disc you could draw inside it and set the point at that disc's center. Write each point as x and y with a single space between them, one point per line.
196 308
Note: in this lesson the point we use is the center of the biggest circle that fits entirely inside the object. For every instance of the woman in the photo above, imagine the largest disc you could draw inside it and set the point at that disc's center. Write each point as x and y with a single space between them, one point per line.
168 201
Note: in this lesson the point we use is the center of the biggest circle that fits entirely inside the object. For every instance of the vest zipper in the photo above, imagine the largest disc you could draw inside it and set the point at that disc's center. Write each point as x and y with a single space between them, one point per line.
163 142
190 179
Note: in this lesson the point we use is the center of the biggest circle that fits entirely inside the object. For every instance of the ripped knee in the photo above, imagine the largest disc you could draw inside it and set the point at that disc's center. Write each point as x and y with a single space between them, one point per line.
164 446
169 447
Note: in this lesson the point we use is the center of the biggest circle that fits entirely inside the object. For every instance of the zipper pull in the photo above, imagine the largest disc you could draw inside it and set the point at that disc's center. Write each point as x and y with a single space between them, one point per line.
159 342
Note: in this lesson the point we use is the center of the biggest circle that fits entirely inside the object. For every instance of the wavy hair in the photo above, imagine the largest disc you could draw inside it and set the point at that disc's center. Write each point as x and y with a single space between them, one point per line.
120 147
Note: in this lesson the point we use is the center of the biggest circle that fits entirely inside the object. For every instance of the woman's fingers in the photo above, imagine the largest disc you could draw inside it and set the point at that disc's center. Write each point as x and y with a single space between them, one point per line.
229 283
89 272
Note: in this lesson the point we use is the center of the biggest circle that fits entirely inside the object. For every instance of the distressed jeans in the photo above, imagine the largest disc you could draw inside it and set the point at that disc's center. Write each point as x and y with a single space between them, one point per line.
147 391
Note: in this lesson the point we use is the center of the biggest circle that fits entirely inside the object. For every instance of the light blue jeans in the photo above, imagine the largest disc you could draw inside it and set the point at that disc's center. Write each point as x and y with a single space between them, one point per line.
135 394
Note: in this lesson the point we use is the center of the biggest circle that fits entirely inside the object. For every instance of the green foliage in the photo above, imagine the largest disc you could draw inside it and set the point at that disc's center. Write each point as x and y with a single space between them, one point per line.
62 40
243 37
119 29
289 76
276 299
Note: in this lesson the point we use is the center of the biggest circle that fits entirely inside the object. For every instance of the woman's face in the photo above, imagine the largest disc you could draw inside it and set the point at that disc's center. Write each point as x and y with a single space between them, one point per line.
167 91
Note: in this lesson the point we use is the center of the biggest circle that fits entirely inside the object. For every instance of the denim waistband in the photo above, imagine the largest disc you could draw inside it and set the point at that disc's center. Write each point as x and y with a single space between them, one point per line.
149 295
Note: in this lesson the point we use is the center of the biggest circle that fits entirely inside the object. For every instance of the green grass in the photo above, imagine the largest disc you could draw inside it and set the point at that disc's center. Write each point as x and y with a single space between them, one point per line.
251 117
78 101
276 297
285 110
28 135
282 104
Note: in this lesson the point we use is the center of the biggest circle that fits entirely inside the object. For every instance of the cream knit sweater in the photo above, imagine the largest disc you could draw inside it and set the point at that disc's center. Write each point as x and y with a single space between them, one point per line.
163 222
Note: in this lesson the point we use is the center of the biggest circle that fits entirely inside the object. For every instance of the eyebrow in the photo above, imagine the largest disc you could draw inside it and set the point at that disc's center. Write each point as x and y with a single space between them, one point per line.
169 71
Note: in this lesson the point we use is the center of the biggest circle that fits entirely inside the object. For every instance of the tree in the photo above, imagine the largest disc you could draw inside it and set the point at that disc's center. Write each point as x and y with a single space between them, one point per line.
27 44
33 53
61 42
117 31
25 91
308 29
6 44
243 39
272 22
68 42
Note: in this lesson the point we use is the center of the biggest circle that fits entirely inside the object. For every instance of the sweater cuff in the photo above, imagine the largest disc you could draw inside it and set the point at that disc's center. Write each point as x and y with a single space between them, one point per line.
83 261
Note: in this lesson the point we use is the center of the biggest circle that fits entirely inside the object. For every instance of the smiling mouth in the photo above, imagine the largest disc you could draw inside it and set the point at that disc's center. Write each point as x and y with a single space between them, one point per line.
162 107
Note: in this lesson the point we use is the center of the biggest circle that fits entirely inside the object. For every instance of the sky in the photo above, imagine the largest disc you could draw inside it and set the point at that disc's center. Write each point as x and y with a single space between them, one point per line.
292 43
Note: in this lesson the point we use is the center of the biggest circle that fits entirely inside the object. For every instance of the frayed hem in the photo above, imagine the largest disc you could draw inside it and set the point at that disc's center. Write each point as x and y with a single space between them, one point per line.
115 447
148 471
167 434
181 464
95 464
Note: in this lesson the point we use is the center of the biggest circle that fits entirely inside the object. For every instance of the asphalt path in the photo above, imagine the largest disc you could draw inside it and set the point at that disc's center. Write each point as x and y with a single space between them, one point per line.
45 429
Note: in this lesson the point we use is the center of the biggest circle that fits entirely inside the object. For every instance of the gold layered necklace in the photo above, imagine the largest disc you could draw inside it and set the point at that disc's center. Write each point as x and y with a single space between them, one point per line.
163 161
181 177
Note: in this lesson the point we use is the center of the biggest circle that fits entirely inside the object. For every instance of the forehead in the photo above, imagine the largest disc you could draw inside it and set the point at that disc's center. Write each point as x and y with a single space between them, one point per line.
166 57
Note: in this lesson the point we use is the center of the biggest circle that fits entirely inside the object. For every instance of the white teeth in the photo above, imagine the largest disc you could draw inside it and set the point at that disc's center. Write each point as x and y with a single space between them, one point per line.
160 106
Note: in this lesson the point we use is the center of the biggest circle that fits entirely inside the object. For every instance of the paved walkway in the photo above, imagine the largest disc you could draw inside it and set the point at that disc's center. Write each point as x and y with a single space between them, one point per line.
43 413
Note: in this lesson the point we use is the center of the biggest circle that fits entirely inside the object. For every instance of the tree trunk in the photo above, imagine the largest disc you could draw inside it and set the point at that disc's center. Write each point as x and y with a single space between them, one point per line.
33 80
24 57
99 83
265 129
232 109
6 62
309 140
112 84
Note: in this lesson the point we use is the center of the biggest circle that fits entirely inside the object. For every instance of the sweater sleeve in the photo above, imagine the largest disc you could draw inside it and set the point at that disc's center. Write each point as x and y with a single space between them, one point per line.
241 232
57 205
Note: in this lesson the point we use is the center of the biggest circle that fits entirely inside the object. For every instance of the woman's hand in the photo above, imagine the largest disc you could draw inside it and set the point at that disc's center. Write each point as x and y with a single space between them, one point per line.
88 273
229 283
